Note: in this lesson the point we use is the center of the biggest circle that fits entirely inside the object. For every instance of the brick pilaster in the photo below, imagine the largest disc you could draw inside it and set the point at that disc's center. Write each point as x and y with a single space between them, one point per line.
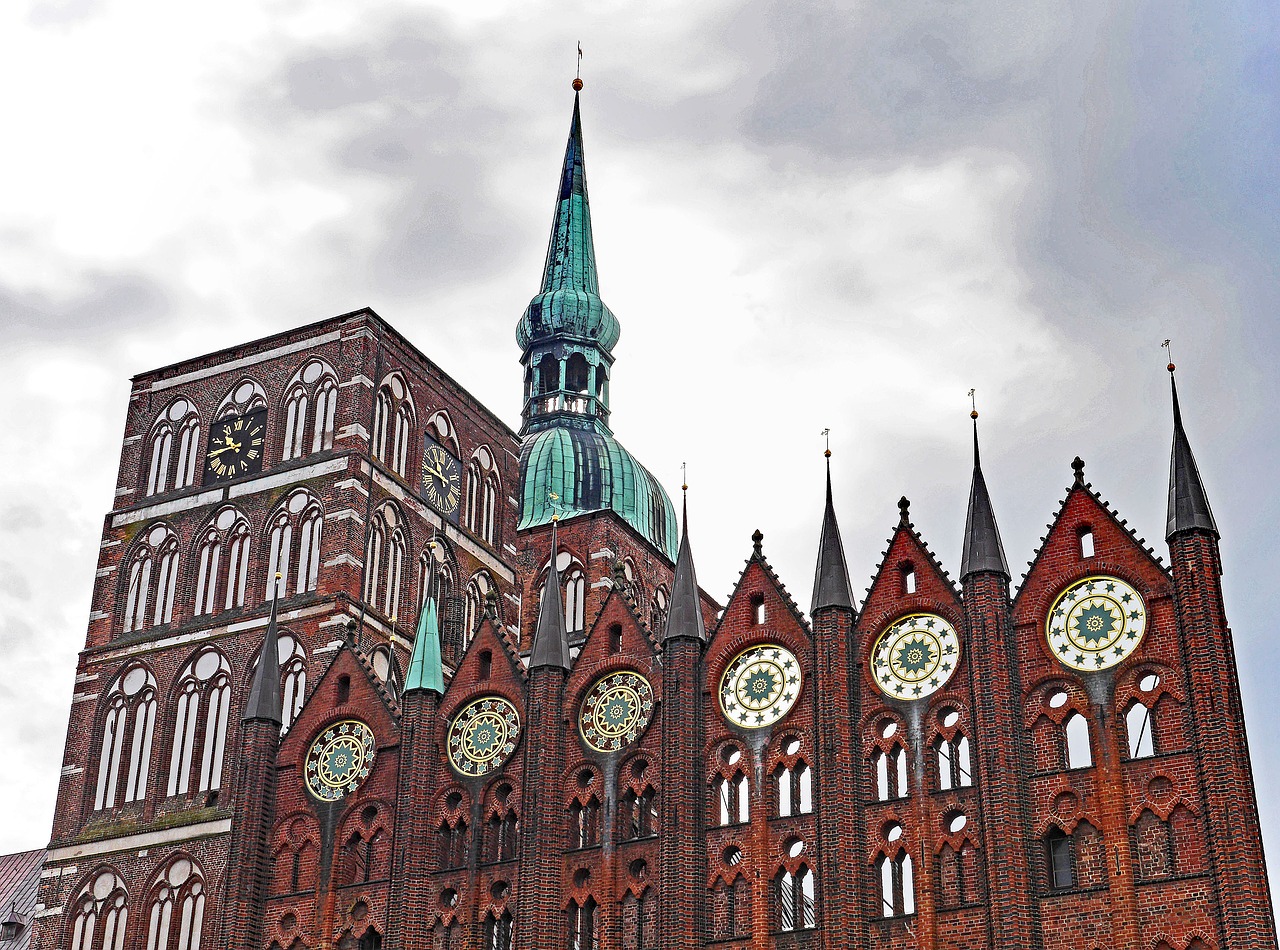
1231 806
683 846
542 833
1002 766
249 859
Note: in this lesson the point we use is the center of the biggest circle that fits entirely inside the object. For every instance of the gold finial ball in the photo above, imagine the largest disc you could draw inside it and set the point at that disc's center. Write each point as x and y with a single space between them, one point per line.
974 414
1171 367
684 487
577 85
555 517
827 454
279 575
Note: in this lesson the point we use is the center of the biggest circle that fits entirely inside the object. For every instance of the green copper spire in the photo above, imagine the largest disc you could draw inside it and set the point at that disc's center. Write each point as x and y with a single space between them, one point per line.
426 670
570 463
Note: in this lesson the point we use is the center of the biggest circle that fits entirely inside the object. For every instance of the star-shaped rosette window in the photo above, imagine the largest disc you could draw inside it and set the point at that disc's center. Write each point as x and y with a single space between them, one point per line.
616 711
1096 623
339 759
483 735
760 686
915 657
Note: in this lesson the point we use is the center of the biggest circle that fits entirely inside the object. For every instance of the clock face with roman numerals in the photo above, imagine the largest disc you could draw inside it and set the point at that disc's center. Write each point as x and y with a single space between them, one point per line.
915 657
236 446
441 478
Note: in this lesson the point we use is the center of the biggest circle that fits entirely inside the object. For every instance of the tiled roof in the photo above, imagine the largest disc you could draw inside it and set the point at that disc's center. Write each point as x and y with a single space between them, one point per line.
19 882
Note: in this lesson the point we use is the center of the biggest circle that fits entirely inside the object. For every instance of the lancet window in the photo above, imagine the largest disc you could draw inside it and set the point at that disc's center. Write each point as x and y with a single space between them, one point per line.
201 711
128 728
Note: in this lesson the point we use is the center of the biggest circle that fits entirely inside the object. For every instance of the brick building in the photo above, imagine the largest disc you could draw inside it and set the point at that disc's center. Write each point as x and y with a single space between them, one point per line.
366 668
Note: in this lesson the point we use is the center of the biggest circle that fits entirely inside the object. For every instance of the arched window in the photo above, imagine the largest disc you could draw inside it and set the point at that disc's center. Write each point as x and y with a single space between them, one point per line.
548 374
384 561
1153 847
293 676
1076 735
639 921
891 773
575 373
639 814
959 876
200 723
311 403
477 596
897 885
452 838
393 420
483 491
180 424
658 612
498 931
127 732
1060 861
445 936
582 925
584 823
794 894
795 789
152 580
222 563
1141 732
575 599
733 799
954 765
100 913
294 545
502 836
176 918
731 910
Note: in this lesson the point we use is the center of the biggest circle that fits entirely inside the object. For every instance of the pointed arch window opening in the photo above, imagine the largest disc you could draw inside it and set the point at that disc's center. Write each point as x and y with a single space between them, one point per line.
733 798
128 731
201 714
101 914
1076 741
794 789
294 546
1140 728
176 920
795 895
499 931
582 925
180 424
891 773
575 599
897 885
955 767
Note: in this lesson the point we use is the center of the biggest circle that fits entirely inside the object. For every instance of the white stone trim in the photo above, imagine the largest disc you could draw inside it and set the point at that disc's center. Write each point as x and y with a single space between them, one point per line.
283 350
147 839
167 508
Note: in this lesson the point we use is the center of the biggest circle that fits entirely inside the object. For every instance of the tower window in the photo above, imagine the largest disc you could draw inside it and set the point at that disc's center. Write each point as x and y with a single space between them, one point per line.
344 690
575 373
908 579
757 609
1076 731
1060 860
615 638
1086 542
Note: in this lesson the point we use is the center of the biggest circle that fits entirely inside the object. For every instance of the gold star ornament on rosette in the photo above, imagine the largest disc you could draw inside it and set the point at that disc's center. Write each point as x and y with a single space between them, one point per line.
760 686
915 657
616 711
1096 623
483 735
340 759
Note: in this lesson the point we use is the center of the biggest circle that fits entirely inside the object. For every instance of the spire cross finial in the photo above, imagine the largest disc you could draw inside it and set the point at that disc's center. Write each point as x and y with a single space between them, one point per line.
577 76
973 404
826 434
1170 367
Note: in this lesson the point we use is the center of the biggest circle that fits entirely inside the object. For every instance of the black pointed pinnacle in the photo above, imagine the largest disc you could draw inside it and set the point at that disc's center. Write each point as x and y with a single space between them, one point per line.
1188 502
831 576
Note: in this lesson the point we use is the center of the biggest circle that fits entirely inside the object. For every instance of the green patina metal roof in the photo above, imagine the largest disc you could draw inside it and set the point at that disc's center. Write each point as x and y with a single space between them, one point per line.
426 671
569 303
589 470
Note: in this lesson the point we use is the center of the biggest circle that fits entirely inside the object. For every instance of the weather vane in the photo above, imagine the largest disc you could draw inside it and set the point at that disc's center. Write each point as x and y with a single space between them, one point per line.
684 477
973 404
826 435
1166 345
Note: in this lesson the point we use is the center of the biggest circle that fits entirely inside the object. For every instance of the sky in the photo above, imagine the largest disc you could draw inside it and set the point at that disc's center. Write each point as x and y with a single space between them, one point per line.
807 216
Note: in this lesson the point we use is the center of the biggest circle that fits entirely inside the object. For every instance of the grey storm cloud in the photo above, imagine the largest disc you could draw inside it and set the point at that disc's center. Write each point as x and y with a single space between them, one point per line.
101 307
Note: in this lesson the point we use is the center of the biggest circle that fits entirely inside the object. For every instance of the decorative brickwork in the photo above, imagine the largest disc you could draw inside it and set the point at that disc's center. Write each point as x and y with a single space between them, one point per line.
600 756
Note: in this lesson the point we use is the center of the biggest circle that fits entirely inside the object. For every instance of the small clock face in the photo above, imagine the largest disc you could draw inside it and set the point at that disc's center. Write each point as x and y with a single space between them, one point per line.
616 711
1096 623
483 735
441 478
339 760
760 686
236 446
915 657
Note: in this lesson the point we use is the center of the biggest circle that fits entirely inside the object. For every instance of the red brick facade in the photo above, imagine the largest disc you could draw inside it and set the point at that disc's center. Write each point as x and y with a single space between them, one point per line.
1011 802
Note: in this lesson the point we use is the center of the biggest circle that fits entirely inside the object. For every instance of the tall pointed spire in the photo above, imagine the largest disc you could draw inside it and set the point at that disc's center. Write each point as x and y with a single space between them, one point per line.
983 550
550 638
426 669
684 619
831 577
1188 502
264 692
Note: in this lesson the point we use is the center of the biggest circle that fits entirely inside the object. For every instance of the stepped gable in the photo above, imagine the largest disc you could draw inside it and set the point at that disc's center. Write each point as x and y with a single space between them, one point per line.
885 595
